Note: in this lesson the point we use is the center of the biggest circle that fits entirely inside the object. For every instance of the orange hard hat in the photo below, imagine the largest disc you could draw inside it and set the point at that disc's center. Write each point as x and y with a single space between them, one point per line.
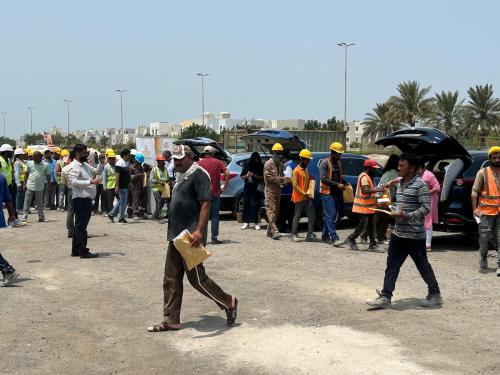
160 157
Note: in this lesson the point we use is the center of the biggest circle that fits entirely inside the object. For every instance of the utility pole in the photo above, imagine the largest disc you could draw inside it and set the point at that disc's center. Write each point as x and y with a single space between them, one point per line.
345 46
3 115
202 75
31 118
121 112
67 102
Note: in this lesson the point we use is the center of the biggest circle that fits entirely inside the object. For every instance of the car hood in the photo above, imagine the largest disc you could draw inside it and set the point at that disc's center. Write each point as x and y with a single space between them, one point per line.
267 138
425 142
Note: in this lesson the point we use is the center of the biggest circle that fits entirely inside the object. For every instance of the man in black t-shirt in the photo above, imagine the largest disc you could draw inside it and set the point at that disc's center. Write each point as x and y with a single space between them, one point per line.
122 169
189 209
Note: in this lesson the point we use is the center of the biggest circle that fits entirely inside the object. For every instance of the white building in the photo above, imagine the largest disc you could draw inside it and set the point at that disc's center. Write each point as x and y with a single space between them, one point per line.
297 124
355 130
164 129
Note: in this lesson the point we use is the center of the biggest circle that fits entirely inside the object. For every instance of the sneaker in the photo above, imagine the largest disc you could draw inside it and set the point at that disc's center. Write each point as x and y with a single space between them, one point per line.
498 271
326 239
432 300
373 247
88 255
10 278
276 236
363 241
381 302
122 221
42 220
311 237
111 218
351 243
251 225
295 238
483 263
105 214
257 227
244 226
337 243
215 241
24 219
136 219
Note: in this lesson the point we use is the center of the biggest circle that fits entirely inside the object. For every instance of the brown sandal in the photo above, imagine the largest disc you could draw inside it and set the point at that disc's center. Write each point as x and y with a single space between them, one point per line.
161 327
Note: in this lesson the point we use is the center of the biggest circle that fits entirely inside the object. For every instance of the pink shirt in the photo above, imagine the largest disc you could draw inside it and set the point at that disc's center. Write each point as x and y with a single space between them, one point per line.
432 183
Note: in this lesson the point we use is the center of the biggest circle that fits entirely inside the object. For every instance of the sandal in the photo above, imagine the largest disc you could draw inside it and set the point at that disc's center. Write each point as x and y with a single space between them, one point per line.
232 313
163 326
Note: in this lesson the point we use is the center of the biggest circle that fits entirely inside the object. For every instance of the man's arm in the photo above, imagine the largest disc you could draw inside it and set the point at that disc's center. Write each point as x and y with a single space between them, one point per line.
476 191
197 235
295 182
365 187
17 175
323 167
425 205
271 175
226 177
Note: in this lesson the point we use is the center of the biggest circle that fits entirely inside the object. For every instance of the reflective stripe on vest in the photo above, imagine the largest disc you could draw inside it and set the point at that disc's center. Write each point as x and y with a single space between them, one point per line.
159 175
362 202
22 174
302 175
111 178
489 200
324 188
6 170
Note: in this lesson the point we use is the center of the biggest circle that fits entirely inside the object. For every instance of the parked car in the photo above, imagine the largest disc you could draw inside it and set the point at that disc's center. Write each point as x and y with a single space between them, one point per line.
455 169
232 198
197 144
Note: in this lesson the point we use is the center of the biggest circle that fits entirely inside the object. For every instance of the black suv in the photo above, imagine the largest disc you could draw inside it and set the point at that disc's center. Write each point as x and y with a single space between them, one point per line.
454 167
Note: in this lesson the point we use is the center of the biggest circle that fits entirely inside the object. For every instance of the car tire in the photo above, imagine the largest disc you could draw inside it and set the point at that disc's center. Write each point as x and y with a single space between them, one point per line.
238 204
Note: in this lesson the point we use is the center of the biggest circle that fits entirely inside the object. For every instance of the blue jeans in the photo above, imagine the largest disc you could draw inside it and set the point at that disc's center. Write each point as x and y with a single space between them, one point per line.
329 216
250 204
214 217
121 204
20 200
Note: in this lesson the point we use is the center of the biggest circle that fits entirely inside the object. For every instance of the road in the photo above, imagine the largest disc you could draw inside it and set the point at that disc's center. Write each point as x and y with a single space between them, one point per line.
301 307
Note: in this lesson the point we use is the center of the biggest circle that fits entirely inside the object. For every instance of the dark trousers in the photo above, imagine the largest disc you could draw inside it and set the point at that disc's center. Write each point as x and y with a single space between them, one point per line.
286 211
399 249
311 216
382 222
100 195
70 216
110 199
250 203
5 267
83 212
159 203
366 224
175 267
13 193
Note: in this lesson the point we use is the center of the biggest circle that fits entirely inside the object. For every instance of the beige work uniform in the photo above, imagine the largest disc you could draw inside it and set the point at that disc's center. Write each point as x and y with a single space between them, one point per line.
273 172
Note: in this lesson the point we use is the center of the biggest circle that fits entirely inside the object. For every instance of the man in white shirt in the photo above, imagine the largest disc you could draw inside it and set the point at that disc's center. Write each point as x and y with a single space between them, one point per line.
81 178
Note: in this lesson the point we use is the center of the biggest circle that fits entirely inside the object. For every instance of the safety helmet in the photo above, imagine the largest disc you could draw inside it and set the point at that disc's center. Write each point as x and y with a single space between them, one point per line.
30 152
160 157
110 153
139 158
494 150
133 152
19 151
277 147
57 150
305 153
6 147
64 152
337 147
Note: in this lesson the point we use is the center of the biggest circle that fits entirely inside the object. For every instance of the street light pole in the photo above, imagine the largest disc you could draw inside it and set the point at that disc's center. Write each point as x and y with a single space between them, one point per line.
121 112
31 118
202 75
3 115
67 102
345 46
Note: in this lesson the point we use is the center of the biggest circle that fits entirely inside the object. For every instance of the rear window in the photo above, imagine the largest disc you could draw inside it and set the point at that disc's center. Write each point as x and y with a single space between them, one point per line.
352 167
477 162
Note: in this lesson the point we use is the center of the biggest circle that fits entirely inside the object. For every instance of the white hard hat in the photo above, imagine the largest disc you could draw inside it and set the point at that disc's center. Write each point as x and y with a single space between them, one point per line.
6 147
210 149
133 152
19 151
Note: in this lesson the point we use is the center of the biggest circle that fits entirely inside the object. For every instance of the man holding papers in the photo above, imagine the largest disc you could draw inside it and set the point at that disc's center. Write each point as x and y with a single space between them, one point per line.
189 209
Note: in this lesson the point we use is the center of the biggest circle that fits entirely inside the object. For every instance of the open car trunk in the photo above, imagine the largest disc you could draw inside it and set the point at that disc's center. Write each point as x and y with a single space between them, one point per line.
198 143
267 138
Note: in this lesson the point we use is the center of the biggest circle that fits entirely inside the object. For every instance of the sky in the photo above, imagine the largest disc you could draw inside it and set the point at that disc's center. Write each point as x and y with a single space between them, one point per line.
266 59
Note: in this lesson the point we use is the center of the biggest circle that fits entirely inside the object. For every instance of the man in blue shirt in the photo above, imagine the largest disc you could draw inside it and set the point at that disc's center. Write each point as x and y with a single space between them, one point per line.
50 189
8 272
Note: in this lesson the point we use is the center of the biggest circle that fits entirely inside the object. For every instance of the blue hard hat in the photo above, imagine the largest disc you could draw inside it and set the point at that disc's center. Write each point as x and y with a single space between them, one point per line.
139 157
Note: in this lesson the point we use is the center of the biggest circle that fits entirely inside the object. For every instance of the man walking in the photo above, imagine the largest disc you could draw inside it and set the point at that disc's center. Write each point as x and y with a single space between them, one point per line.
408 237
37 176
215 168
273 180
486 206
159 179
83 183
137 176
8 272
19 178
109 179
331 186
364 203
122 168
50 188
70 216
189 209
301 197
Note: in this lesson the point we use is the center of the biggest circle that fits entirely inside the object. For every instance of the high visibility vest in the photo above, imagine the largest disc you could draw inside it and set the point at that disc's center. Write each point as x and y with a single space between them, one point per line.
302 182
158 174
489 200
60 163
363 202
22 174
6 169
324 188
111 178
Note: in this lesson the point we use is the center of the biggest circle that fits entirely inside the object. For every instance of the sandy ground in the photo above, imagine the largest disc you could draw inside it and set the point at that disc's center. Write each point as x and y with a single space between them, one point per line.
301 309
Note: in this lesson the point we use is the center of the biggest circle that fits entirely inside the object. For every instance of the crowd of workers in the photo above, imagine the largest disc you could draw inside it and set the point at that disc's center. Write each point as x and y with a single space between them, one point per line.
82 183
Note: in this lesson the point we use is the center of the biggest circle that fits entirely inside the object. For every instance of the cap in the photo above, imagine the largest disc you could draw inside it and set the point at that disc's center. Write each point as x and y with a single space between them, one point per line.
181 151
370 163
133 152
494 150
209 149
6 147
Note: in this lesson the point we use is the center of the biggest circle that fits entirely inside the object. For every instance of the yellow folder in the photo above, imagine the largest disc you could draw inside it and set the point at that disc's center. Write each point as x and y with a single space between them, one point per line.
192 255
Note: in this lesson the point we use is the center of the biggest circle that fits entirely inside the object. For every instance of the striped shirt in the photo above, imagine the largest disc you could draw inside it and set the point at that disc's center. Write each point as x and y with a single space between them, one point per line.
413 199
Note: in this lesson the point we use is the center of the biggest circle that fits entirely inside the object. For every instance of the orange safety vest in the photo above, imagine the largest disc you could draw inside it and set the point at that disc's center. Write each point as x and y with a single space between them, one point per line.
362 202
302 182
324 188
489 200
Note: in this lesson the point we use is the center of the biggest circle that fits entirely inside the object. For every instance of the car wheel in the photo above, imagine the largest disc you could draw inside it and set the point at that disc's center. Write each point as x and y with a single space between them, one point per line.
238 204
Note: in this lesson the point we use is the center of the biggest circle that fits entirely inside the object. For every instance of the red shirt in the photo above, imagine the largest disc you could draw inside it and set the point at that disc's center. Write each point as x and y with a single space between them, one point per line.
214 168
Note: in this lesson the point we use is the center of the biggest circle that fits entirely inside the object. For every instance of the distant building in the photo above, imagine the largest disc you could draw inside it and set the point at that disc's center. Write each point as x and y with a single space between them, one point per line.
164 129
297 124
355 130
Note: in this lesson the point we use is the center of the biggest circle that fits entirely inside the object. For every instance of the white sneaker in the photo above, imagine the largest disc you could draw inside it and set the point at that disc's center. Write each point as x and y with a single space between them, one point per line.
136 219
257 227
244 226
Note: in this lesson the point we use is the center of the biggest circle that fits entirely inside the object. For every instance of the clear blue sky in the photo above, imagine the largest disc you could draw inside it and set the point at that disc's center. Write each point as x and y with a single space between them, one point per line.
267 59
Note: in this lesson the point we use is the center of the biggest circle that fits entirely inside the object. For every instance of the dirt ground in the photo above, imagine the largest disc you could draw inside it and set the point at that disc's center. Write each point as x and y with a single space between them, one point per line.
301 307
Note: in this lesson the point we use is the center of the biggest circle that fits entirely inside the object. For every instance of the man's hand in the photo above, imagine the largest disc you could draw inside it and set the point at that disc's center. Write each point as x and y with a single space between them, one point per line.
117 189
95 181
287 180
341 186
477 212
399 214
196 238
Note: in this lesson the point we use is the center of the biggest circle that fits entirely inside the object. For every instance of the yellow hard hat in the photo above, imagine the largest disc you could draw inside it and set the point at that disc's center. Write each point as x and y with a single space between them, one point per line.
27 150
64 152
57 150
30 152
337 147
277 147
110 153
305 153
494 150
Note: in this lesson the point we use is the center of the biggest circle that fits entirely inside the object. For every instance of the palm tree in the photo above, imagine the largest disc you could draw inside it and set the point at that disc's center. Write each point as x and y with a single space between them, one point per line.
447 114
383 121
412 105
482 112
